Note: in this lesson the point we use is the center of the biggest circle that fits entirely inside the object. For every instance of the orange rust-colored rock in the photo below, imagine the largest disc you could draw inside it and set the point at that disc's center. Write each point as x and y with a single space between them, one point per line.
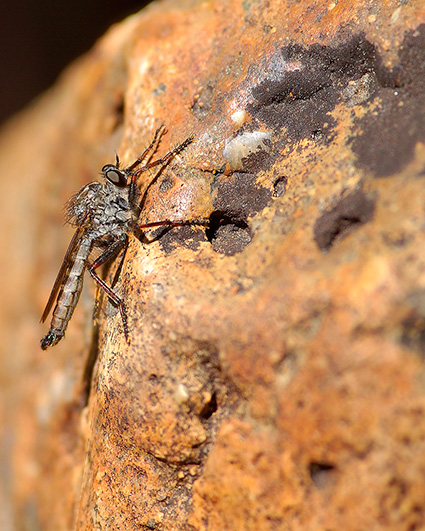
275 374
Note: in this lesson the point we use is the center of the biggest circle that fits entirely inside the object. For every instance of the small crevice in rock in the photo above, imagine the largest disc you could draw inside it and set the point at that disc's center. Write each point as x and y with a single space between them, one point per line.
320 473
209 408
166 184
119 112
349 213
279 186
413 326
413 334
228 235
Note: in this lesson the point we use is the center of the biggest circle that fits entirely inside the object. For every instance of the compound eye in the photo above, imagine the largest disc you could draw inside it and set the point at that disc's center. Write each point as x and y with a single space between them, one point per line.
114 175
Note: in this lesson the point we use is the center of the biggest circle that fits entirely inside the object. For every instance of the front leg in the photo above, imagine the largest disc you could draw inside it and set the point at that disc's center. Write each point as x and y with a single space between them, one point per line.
134 193
152 146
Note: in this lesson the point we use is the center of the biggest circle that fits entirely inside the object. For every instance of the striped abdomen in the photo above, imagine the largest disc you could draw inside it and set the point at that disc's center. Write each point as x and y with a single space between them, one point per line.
69 294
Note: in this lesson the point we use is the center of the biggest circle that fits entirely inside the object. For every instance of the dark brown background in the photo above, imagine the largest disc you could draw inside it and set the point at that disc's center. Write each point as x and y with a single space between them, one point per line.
38 39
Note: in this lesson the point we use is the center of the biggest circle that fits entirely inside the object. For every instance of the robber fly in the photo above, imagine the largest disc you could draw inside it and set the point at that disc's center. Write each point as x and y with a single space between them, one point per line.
104 214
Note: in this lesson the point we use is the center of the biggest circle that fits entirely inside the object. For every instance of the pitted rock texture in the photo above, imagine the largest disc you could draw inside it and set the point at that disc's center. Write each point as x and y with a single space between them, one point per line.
275 373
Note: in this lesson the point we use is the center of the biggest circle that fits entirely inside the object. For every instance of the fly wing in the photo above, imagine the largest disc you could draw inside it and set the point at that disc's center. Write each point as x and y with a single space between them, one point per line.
62 272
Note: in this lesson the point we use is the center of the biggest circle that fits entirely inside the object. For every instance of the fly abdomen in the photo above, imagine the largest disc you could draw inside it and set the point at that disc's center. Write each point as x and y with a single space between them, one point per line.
68 295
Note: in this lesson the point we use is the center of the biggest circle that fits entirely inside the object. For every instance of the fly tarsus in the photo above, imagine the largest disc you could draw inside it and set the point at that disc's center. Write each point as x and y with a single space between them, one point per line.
164 160
123 313
152 146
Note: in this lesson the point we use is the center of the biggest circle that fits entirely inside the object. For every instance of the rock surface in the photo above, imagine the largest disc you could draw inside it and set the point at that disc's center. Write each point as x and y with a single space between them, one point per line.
275 375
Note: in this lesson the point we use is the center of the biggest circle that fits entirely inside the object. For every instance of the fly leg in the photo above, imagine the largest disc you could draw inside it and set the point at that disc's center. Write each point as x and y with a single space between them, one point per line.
98 288
168 224
95 313
134 192
154 144
110 252
174 223
166 158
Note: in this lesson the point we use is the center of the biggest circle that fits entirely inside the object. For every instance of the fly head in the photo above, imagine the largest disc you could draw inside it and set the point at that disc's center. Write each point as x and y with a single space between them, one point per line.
114 175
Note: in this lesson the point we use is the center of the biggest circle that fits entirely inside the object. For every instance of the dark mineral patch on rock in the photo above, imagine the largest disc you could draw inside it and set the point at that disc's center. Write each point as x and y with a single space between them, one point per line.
390 133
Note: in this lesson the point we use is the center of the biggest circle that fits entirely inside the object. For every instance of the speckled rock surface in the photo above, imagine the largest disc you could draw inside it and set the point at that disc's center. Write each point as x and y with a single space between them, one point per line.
275 373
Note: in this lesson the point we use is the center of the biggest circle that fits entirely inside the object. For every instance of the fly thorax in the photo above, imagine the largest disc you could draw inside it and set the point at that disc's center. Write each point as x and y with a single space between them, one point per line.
114 208
82 203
